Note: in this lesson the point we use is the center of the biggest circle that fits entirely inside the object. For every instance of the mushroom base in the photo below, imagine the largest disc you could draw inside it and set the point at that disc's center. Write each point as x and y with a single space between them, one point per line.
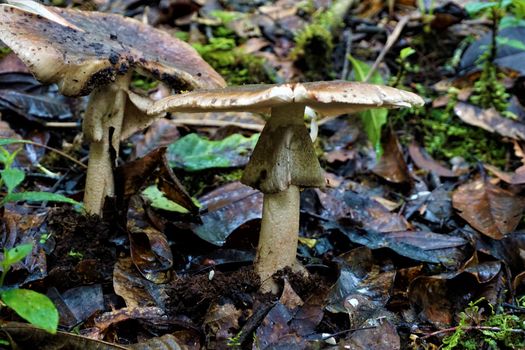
278 237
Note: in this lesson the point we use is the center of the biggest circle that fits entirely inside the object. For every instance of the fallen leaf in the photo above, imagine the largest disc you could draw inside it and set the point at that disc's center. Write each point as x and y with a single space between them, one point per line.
227 208
425 162
492 210
490 120
391 165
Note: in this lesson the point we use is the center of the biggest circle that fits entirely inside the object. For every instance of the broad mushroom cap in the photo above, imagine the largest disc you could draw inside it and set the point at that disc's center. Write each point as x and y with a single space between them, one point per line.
284 155
327 97
106 46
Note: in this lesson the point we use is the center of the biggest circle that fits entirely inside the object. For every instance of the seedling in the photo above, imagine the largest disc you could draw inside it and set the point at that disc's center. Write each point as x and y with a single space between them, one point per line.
34 307
12 178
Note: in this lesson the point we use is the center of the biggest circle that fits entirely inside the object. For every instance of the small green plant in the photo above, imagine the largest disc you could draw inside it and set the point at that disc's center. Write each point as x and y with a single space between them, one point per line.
75 255
12 178
498 330
404 67
234 341
489 90
223 53
34 307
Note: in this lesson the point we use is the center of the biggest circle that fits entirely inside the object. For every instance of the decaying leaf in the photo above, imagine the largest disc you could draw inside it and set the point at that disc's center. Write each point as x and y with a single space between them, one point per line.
492 210
490 120
227 208
425 162
392 166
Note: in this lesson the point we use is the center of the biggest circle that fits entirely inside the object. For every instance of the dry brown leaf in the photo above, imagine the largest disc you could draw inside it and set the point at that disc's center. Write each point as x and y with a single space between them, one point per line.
491 210
490 120
392 166
425 162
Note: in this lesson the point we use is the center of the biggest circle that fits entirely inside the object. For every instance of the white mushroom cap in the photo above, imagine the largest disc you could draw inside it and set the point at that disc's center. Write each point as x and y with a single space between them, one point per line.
328 98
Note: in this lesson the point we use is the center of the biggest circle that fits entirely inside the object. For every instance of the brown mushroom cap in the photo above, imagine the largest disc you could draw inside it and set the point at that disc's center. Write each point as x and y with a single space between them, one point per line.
329 98
108 45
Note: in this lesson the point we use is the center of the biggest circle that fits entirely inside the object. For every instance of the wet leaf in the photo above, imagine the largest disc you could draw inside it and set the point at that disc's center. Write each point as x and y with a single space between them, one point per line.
159 201
275 331
391 165
492 210
137 291
490 120
12 178
192 152
39 108
149 247
508 56
380 335
425 162
33 307
222 321
160 134
166 342
376 240
360 276
26 336
228 207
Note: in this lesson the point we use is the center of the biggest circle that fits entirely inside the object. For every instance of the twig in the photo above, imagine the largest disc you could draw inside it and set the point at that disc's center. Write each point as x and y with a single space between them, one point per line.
52 149
348 50
469 328
61 125
392 38
209 122
347 331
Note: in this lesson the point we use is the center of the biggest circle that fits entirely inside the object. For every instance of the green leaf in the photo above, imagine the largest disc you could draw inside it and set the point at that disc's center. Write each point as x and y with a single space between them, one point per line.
39 197
33 307
12 178
159 201
514 43
373 119
406 52
193 152
4 142
16 254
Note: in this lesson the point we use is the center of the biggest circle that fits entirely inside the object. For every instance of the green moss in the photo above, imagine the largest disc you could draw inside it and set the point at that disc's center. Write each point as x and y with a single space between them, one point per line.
4 51
144 83
314 45
487 329
489 91
445 136
232 63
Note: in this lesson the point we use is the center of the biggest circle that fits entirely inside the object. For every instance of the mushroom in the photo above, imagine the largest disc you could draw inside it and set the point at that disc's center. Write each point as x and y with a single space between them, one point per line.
95 54
284 159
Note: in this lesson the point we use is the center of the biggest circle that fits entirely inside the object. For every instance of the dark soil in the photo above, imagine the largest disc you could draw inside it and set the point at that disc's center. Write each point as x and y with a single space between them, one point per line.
83 253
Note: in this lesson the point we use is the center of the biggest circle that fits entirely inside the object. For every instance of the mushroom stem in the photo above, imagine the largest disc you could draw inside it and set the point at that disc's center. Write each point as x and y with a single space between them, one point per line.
278 237
102 127
282 162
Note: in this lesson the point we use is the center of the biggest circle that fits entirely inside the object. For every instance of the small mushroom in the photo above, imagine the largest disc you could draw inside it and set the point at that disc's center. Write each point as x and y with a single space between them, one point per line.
284 159
96 54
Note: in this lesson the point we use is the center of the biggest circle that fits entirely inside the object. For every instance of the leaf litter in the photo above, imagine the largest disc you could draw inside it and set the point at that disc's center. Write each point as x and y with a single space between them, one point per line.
396 246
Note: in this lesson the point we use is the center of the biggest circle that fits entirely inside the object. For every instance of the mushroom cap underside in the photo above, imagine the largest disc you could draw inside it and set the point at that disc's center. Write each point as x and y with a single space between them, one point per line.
109 45
328 98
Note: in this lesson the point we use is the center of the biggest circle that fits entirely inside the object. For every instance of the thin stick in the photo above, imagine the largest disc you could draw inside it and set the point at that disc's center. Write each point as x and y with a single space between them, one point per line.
54 150
62 125
392 38
208 122
480 328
